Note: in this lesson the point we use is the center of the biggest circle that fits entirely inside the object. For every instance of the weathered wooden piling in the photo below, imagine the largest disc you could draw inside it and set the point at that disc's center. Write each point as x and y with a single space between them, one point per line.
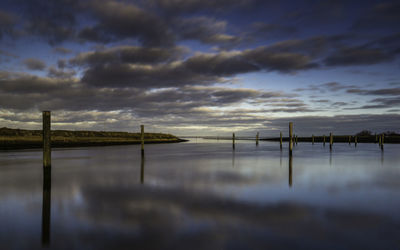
46 139
46 206
142 137
312 139
324 140
330 140
233 140
380 140
297 139
257 138
290 137
280 141
355 141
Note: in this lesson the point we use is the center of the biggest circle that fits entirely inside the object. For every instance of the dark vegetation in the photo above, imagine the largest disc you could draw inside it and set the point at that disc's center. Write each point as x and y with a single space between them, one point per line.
24 139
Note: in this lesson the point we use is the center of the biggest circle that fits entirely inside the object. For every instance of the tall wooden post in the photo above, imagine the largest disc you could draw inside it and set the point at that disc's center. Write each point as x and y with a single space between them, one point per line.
46 139
312 139
380 140
290 137
280 141
257 138
142 138
233 140
330 140
324 140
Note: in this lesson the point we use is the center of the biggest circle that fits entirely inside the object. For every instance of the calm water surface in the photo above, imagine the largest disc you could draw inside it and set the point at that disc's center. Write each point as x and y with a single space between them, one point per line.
202 195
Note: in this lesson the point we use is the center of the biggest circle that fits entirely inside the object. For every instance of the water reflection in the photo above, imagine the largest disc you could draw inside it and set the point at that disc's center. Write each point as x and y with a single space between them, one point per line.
290 170
142 159
46 206
233 158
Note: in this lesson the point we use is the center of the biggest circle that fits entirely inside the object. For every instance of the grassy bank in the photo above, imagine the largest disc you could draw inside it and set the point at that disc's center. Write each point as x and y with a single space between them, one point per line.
343 138
26 139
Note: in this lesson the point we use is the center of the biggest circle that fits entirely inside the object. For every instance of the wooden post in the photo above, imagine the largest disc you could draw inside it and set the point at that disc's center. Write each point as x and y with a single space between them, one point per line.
142 137
382 141
355 141
330 140
297 139
257 138
233 140
349 139
46 139
324 140
312 138
280 140
290 137
376 138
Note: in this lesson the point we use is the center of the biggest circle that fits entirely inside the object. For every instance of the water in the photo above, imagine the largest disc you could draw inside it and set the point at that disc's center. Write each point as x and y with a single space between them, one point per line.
202 195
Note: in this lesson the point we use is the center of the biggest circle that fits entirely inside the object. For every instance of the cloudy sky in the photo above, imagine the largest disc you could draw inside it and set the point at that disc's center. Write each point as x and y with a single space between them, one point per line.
201 67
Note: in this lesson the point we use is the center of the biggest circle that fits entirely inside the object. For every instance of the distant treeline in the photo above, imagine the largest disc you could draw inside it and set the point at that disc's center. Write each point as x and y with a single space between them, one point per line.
22 139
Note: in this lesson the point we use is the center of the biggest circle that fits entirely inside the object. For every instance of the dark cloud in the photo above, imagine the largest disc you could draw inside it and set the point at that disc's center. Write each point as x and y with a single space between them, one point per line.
384 92
357 56
62 50
34 64
172 7
204 29
120 20
128 54
379 16
55 73
7 22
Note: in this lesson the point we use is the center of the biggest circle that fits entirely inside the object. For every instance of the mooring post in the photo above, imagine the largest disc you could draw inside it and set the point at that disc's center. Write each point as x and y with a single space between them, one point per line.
324 140
142 138
257 138
290 137
355 141
233 140
330 140
312 138
46 139
280 140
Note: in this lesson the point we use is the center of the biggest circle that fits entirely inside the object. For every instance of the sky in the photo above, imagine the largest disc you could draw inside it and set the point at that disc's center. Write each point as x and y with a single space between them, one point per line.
201 67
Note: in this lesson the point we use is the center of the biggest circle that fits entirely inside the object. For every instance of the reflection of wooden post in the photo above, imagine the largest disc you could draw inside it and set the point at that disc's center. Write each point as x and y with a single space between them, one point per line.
330 140
46 206
280 140
324 140
312 139
233 140
257 138
142 169
142 137
382 140
290 137
46 139
290 170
